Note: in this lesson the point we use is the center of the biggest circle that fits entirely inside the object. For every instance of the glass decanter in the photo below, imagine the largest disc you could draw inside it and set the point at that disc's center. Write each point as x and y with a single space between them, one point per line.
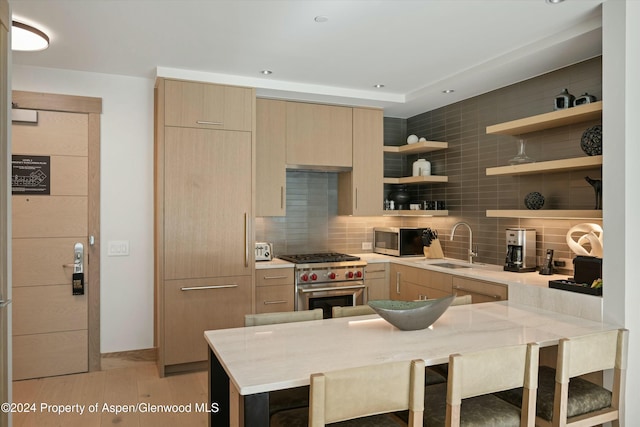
521 157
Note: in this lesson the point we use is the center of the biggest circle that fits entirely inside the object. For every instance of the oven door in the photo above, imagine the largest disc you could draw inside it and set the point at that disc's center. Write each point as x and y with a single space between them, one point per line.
328 295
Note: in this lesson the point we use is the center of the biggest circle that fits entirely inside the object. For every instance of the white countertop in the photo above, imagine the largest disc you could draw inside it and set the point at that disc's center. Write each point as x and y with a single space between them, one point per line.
524 288
272 357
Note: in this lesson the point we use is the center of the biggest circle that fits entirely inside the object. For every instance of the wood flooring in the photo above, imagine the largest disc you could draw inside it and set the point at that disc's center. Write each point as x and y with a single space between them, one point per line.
138 388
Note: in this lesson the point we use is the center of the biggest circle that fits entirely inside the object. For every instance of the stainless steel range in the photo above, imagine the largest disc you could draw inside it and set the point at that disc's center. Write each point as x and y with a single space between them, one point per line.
325 280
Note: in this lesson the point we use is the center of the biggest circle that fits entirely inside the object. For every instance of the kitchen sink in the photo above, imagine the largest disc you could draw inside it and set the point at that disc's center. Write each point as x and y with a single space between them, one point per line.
451 265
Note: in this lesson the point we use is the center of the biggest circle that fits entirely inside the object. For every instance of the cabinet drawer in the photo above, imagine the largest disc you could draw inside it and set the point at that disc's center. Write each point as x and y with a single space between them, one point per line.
274 277
479 290
194 306
375 271
209 106
271 299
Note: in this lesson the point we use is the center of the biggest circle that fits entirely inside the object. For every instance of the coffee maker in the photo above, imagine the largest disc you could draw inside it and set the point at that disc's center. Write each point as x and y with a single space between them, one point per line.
521 250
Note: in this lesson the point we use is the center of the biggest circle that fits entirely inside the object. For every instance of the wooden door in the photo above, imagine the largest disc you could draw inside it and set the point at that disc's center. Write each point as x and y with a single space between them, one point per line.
207 203
51 209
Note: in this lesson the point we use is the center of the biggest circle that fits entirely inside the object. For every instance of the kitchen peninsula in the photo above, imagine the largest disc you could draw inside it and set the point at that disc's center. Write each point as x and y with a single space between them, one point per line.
246 363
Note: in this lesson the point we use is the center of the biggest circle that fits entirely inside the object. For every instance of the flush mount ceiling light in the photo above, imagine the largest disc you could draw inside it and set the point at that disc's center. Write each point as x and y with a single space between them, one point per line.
321 18
27 38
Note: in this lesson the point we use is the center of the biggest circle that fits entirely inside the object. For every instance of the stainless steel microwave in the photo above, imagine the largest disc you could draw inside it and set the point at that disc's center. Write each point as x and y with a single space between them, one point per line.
398 241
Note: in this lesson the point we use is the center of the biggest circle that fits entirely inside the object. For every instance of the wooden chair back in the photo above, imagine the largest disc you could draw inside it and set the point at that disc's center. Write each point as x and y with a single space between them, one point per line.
490 371
369 390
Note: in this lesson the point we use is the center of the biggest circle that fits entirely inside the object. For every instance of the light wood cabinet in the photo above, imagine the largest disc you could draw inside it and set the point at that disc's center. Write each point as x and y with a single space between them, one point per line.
274 290
209 106
376 281
359 189
413 283
271 133
204 183
480 290
319 135
194 306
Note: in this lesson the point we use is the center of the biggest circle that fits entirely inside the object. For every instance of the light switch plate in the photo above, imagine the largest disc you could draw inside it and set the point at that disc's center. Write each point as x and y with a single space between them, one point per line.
367 246
118 248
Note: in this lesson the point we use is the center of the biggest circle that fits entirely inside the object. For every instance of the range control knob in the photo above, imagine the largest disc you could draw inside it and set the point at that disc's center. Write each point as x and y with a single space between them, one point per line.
332 275
314 276
304 278
350 275
358 274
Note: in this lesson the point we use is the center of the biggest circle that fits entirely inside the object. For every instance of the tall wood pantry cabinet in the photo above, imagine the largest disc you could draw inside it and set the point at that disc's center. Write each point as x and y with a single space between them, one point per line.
204 163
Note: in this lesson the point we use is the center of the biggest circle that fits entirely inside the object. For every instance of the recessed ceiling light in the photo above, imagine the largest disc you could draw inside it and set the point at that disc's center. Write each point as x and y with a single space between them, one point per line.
266 72
378 86
27 38
448 91
554 1
321 18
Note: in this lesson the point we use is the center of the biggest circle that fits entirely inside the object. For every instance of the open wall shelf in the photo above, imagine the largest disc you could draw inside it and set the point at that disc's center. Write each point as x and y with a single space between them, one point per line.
545 214
549 166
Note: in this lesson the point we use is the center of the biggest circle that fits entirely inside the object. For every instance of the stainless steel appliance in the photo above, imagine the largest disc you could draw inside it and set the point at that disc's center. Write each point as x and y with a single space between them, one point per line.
521 250
264 251
325 280
398 241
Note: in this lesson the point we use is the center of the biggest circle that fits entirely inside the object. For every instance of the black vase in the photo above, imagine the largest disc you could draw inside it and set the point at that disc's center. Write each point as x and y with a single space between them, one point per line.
400 197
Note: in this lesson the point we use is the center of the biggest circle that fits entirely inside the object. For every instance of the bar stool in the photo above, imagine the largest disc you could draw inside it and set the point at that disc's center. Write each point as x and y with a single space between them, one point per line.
355 310
293 397
467 398
362 396
564 399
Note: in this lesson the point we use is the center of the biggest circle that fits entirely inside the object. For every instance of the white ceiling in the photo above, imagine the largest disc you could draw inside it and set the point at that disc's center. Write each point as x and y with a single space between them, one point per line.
416 48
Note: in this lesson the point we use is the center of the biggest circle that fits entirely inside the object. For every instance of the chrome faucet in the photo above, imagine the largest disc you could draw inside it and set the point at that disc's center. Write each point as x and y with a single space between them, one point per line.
472 253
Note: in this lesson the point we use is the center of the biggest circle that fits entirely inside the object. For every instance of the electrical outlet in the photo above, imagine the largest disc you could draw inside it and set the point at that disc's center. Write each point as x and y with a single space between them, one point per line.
367 246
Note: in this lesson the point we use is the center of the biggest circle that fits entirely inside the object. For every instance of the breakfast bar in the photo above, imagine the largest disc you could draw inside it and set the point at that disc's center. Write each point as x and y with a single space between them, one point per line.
247 363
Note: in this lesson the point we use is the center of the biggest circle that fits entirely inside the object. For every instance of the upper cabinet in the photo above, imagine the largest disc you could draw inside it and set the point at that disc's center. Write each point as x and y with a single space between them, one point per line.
208 106
271 134
359 190
540 122
319 136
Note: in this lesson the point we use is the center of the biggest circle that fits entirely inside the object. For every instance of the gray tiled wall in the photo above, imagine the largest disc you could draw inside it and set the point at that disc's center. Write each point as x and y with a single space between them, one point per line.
312 224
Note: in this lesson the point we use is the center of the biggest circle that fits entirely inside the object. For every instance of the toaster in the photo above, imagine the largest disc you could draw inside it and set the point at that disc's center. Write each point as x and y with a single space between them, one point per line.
264 251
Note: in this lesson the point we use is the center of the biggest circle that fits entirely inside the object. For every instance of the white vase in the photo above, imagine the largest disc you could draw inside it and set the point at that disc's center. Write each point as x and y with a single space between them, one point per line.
421 167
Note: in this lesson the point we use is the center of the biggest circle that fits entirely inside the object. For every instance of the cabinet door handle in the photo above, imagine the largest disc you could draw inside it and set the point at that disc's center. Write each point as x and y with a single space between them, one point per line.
202 288
246 240
275 302
497 297
205 122
281 197
374 271
356 199
398 283
273 277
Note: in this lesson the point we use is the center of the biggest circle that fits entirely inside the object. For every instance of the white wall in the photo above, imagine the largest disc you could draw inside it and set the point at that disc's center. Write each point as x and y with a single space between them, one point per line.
126 211
621 175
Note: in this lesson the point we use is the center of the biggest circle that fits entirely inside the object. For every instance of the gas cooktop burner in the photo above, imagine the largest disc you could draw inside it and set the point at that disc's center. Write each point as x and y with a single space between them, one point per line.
319 257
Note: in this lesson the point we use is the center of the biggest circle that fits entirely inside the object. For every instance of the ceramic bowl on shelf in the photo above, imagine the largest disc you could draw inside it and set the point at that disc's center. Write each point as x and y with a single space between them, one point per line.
412 139
411 315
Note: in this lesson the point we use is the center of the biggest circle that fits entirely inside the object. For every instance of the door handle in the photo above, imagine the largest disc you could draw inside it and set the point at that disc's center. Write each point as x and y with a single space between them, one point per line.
77 285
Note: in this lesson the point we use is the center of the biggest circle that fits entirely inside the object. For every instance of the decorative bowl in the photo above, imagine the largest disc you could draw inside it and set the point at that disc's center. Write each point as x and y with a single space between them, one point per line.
411 315
412 139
